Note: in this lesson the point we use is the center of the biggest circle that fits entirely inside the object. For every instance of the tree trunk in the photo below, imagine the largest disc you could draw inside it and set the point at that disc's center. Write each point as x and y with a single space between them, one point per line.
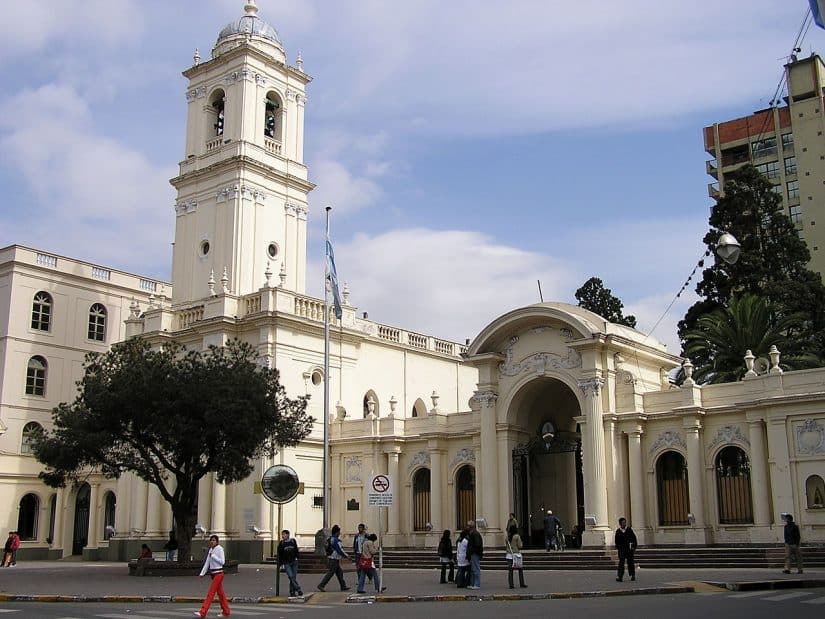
185 524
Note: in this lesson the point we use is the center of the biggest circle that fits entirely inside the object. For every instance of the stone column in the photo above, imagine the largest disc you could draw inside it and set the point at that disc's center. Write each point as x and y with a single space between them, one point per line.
436 482
697 534
94 535
595 473
153 510
394 511
635 467
264 515
141 489
760 483
218 507
59 516
487 482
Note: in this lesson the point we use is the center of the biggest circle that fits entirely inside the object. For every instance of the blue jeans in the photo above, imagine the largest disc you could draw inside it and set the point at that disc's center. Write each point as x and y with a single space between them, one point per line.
475 570
376 579
292 573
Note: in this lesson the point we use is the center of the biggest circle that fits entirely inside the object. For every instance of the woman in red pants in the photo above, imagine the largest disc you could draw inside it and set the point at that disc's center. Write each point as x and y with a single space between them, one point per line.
214 567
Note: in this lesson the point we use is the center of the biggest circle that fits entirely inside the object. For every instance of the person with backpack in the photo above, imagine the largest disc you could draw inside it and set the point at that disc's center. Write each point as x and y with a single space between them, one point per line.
445 556
288 557
335 552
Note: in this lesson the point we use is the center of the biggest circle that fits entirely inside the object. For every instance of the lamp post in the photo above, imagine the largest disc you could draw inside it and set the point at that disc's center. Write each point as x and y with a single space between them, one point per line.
728 248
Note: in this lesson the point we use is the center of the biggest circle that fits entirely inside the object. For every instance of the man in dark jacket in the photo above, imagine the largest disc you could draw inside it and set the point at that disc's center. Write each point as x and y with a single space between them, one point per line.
625 541
551 526
792 540
475 550
288 557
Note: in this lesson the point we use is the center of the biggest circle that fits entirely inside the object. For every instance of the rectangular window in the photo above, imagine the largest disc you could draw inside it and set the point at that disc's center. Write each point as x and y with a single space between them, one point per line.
763 148
790 165
35 381
787 142
793 189
795 212
770 169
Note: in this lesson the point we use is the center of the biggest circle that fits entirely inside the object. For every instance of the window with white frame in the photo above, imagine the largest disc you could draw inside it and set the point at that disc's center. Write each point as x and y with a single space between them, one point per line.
97 323
42 311
36 376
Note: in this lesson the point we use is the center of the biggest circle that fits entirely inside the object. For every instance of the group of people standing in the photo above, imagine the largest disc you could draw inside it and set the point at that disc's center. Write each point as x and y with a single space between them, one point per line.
364 551
10 549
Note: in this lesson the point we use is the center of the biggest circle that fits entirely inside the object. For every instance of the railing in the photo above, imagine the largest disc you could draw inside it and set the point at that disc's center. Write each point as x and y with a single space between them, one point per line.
391 334
417 341
713 190
252 304
148 285
46 260
99 273
190 316
214 144
444 347
272 146
306 307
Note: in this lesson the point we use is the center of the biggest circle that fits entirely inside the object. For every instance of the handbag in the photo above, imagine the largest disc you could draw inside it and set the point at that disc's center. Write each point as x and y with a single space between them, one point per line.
364 563
518 561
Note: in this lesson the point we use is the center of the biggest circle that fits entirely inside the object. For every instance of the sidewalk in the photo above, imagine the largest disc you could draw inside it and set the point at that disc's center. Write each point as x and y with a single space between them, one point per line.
71 582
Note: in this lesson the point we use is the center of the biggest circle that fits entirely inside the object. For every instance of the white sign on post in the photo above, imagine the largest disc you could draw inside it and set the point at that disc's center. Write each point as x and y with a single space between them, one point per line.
379 493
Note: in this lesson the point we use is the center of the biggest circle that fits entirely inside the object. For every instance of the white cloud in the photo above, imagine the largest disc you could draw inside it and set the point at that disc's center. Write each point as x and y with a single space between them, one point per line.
444 283
90 191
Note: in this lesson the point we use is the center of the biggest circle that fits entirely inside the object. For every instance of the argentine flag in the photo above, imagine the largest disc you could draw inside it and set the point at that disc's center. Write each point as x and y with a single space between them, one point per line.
332 281
818 10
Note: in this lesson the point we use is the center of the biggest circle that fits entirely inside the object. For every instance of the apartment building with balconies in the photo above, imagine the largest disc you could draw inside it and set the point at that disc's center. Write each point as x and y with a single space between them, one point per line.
787 144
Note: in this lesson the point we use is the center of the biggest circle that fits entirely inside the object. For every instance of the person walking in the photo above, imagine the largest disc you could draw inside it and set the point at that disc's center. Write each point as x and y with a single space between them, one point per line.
463 563
445 557
514 557
625 541
335 553
792 541
551 525
475 550
15 546
213 565
357 545
288 557
171 547
367 567
7 550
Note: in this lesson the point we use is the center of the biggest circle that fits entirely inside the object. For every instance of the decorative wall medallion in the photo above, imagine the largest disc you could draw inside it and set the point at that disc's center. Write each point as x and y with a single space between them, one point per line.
729 434
591 386
539 362
422 458
810 438
486 399
667 440
352 469
465 454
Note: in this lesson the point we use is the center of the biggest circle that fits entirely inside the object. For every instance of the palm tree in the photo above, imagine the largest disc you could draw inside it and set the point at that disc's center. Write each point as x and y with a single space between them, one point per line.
747 323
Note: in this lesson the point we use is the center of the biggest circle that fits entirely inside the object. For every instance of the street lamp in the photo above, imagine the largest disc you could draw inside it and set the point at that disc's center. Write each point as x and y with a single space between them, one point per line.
728 248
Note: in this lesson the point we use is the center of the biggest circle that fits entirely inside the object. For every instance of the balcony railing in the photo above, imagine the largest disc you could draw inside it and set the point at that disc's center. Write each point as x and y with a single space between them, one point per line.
272 146
712 168
713 190
214 144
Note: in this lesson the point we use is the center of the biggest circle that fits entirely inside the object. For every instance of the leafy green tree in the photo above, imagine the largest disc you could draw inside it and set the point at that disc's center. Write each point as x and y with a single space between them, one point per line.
171 416
772 264
724 335
595 297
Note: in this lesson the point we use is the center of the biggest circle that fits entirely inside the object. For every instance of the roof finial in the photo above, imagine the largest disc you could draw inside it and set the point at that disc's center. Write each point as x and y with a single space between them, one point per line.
197 57
250 8
299 62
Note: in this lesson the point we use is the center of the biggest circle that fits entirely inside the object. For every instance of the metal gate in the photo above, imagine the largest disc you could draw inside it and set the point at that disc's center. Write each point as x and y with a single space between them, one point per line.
81 520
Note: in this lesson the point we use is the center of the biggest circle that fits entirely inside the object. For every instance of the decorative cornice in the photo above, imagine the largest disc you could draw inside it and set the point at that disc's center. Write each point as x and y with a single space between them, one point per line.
591 386
667 440
195 93
422 458
236 76
729 434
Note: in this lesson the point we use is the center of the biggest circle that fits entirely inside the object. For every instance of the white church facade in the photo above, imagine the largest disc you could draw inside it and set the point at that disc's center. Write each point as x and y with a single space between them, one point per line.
549 407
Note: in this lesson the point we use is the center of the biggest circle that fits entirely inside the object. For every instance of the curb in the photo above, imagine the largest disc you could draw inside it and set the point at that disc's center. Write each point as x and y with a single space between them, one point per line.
137 599
763 585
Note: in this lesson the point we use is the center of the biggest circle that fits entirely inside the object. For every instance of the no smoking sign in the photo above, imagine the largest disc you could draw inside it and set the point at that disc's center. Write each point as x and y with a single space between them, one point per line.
380 491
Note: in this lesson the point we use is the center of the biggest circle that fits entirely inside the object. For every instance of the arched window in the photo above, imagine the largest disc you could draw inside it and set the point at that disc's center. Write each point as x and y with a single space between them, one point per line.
465 484
419 409
672 489
30 431
27 517
815 492
42 311
36 376
273 125
109 506
97 323
371 404
216 109
421 499
733 486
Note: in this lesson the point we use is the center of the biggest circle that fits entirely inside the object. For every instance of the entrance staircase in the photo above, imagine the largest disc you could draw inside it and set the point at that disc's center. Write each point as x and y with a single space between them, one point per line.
653 557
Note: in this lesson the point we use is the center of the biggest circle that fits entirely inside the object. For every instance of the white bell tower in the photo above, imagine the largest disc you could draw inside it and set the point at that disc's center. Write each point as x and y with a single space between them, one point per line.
242 188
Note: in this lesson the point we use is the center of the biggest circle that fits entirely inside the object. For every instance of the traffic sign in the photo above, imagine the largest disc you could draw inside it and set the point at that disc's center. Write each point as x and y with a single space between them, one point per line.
379 493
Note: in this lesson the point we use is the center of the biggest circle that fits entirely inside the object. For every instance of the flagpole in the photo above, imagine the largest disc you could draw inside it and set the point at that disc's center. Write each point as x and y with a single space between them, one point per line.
326 375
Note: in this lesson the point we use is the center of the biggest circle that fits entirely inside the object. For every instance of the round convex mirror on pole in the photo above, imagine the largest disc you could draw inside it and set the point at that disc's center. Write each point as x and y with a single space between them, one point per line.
279 485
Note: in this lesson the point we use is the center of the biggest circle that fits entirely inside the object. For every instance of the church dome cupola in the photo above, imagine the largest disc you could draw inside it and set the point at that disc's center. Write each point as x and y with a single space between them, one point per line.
250 27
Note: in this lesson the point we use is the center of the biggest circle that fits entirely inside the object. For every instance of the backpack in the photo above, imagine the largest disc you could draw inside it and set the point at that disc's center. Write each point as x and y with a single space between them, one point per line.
328 546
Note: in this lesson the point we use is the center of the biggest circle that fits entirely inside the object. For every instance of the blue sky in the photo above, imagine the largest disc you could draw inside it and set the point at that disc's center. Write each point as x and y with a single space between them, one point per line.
468 148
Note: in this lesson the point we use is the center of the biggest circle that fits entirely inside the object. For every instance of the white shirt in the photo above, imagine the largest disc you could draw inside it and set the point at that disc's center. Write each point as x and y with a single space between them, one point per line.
214 561
461 552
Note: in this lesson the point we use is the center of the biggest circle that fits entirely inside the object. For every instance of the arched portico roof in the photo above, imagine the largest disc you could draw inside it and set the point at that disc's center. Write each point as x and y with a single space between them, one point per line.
584 323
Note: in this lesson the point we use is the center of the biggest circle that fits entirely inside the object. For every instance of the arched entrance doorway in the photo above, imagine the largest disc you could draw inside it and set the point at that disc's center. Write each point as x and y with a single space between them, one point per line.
547 460
81 520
